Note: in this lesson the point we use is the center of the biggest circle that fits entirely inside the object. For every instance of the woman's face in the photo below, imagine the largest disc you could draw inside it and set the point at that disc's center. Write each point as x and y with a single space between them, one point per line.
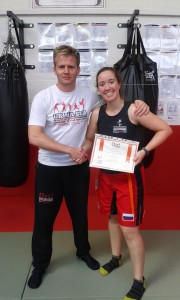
108 86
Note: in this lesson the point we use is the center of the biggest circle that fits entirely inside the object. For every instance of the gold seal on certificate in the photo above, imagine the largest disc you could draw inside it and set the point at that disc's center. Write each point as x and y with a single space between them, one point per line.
113 153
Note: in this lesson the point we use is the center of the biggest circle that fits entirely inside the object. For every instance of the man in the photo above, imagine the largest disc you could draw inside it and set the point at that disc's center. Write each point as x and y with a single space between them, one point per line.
57 126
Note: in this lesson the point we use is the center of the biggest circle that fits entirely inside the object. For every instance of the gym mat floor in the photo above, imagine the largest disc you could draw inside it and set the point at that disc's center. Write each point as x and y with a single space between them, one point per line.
68 278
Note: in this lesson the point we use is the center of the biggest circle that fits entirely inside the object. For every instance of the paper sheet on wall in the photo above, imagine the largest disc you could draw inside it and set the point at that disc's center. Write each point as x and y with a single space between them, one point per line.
168 62
152 36
99 35
169 36
82 35
85 62
99 60
46 35
63 34
45 61
167 87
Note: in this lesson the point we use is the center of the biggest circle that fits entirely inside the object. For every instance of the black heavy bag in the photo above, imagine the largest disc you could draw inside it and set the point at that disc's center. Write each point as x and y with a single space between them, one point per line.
14 149
140 78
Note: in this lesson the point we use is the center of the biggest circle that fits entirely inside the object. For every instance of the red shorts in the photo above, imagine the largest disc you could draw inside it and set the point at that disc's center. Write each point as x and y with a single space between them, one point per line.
122 194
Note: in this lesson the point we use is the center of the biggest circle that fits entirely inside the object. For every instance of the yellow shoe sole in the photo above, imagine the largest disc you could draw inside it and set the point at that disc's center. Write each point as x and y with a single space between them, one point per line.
104 272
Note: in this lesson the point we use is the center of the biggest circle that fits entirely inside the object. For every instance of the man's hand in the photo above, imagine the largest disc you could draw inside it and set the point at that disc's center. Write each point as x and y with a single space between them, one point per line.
78 155
141 108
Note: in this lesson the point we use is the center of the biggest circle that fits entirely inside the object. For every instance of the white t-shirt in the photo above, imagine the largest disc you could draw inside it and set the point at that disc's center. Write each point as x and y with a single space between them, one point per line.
64 117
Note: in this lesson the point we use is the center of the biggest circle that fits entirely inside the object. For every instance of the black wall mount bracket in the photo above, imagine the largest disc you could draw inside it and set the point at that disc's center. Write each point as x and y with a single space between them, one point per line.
19 26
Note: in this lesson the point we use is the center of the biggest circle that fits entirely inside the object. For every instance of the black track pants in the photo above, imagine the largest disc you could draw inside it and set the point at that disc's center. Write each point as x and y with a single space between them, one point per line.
52 184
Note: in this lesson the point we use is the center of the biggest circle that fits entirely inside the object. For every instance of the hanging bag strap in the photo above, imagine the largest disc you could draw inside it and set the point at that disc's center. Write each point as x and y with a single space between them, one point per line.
134 45
140 45
128 48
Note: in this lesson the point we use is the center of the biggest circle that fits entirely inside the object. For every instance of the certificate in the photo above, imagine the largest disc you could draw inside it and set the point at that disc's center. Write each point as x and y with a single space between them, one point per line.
113 153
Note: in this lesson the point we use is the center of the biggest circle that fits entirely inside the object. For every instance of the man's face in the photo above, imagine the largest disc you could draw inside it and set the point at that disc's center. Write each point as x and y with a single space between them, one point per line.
66 70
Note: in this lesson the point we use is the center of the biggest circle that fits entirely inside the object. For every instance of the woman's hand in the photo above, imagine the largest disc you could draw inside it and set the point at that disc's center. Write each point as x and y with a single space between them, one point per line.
139 157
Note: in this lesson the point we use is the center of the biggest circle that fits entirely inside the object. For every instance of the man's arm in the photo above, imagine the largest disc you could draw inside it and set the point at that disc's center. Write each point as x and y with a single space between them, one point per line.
38 138
141 107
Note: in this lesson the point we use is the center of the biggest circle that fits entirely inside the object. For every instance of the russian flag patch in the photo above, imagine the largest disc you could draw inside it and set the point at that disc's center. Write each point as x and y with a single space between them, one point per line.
128 217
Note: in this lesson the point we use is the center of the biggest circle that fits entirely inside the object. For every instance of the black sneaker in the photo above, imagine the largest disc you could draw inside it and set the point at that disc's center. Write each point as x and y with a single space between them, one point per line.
111 265
36 278
92 263
137 290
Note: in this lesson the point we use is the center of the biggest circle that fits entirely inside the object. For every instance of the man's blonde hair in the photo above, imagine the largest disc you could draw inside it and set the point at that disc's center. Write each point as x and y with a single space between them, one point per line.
67 51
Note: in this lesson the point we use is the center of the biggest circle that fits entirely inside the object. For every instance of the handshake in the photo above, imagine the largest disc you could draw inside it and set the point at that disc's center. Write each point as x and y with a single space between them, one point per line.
79 155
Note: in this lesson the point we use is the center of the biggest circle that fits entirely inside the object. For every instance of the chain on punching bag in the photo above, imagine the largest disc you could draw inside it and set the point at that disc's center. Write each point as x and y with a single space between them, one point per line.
14 112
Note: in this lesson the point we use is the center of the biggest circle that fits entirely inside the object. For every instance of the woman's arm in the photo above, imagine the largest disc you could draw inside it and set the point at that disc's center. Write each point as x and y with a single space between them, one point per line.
154 123
91 130
90 134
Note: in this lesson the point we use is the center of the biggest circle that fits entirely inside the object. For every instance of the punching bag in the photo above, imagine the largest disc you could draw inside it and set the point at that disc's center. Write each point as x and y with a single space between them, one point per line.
14 112
140 79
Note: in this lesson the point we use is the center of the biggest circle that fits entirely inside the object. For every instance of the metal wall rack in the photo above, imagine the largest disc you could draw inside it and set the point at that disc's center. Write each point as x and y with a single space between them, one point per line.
129 25
19 26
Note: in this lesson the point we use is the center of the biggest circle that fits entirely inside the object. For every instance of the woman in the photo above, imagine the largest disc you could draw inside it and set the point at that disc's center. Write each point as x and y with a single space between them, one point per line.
120 193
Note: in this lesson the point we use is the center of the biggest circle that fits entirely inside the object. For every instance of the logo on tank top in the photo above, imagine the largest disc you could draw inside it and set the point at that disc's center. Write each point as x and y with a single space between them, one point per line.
64 114
120 128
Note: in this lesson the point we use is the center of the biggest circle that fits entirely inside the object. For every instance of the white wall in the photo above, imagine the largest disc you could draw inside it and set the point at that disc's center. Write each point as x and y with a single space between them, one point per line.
167 7
115 11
